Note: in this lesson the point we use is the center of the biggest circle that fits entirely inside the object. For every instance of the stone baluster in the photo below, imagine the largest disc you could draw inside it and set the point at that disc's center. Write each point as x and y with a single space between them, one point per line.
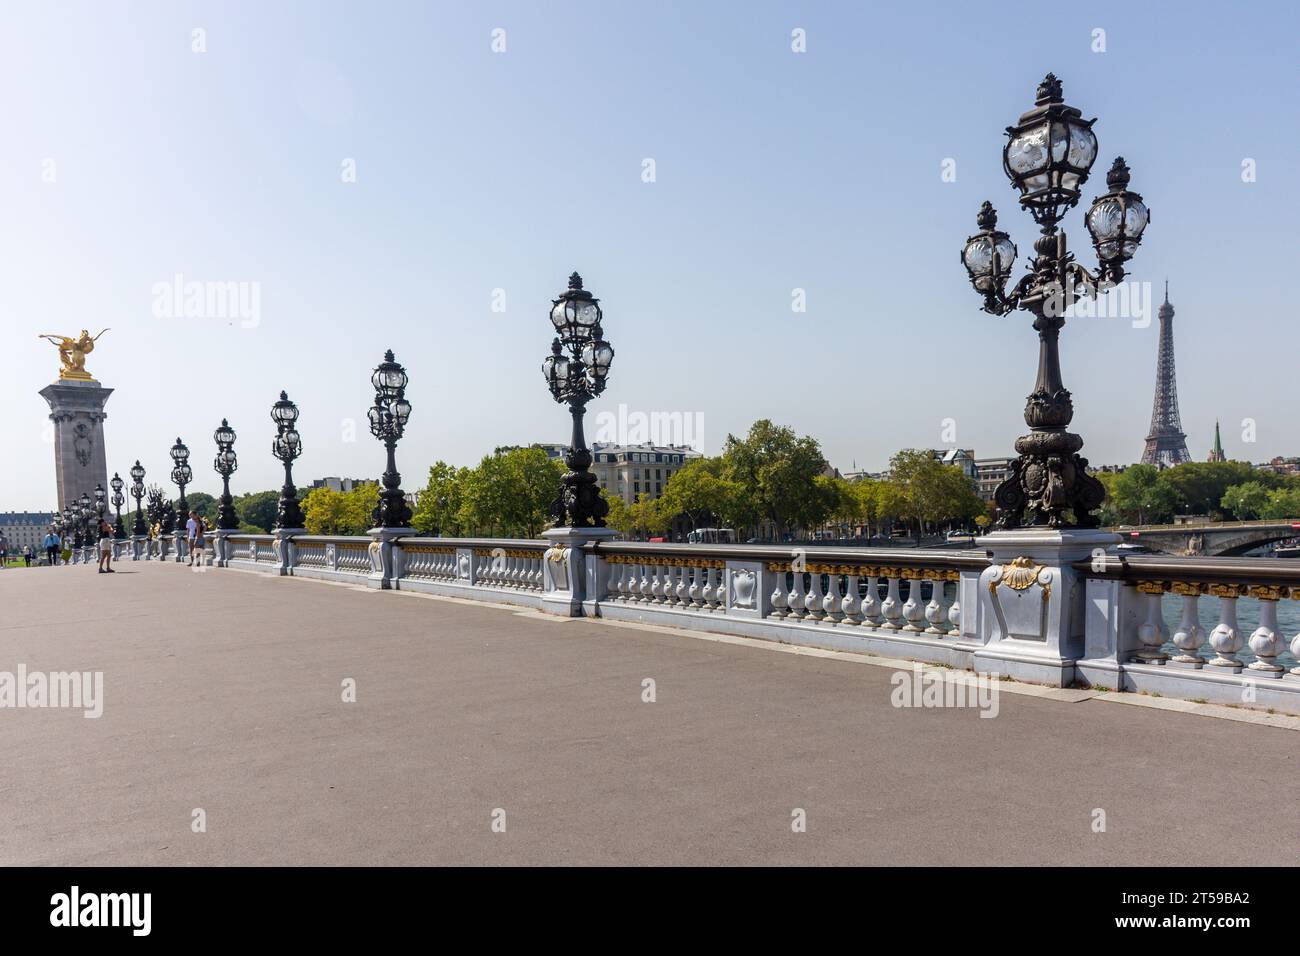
658 578
668 585
832 603
687 572
695 593
618 593
780 596
954 609
849 606
816 597
936 616
645 592
1189 635
913 609
870 607
798 609
1152 633
1226 636
715 596
1265 642
891 608
1295 641
631 580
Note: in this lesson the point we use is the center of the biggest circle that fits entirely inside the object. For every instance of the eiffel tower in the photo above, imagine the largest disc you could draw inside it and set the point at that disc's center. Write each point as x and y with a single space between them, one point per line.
1166 443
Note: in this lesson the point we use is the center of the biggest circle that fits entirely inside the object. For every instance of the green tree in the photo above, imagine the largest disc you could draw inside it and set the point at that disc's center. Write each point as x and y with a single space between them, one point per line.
1141 494
1201 484
699 491
324 511
440 501
204 505
1282 503
934 493
776 473
867 491
258 509
1246 500
359 508
510 494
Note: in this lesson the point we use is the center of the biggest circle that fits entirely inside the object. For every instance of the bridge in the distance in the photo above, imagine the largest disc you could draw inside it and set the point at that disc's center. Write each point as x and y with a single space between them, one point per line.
1211 539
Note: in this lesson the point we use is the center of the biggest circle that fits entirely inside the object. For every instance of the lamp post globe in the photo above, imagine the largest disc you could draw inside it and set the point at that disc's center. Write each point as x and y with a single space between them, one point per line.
388 417
1048 156
1116 222
287 446
575 373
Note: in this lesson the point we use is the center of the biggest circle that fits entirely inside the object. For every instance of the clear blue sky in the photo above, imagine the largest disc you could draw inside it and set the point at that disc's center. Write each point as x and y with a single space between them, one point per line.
478 171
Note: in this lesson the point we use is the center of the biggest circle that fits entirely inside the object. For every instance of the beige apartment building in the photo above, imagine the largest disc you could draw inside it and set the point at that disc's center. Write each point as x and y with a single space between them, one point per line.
630 471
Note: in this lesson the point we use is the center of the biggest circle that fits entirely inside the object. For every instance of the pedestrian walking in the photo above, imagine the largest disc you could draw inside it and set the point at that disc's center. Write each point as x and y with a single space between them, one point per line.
105 547
194 536
52 546
27 556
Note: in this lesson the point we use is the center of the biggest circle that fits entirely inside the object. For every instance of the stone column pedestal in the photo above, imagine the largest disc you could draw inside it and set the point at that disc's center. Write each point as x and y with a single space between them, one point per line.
1032 602
383 560
77 410
222 549
283 547
564 568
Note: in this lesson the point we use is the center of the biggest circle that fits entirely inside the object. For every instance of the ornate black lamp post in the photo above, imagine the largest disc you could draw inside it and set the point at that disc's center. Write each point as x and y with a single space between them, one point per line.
1048 155
139 529
575 379
83 526
101 500
226 463
117 484
286 447
182 474
388 417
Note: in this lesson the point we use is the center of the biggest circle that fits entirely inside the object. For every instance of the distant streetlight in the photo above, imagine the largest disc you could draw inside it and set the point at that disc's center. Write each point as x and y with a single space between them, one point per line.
119 530
226 463
388 417
287 446
139 529
575 379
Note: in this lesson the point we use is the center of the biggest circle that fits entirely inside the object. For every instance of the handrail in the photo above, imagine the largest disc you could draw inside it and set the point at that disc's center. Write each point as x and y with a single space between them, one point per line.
538 544
1154 567
891 557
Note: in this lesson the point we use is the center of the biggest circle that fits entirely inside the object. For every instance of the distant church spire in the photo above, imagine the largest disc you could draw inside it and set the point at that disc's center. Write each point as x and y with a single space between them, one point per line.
1166 444
1216 453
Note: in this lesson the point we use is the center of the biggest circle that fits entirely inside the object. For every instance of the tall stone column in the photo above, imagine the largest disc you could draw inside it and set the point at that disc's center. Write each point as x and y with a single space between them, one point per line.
77 410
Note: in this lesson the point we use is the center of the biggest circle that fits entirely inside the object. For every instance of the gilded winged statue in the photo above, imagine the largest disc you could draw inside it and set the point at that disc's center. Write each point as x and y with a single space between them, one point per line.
73 352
